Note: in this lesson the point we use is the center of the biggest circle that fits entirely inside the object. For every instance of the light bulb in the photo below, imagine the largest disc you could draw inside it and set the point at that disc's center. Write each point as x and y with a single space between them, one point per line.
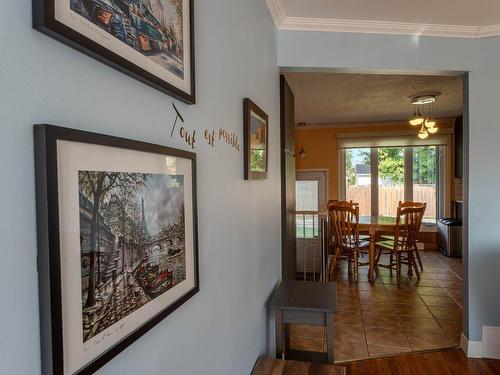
432 130
423 133
430 122
417 119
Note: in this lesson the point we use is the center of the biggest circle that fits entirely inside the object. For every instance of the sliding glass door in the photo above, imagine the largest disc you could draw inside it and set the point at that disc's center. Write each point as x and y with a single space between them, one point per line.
379 178
358 178
425 179
391 179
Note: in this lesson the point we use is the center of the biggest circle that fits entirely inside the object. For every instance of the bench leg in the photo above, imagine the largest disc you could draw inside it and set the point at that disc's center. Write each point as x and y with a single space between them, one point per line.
329 337
278 321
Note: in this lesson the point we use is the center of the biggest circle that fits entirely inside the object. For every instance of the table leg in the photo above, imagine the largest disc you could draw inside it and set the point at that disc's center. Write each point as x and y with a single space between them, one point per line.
371 270
329 337
278 321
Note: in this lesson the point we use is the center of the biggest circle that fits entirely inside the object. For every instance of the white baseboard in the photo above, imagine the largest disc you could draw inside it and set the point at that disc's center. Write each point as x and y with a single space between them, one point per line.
491 342
472 349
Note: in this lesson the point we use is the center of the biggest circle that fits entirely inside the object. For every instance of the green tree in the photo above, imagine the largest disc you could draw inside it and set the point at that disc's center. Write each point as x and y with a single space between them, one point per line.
350 171
391 165
424 165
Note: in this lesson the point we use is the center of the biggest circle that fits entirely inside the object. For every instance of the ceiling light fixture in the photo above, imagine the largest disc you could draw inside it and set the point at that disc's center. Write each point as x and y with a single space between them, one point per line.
429 123
416 119
423 133
302 152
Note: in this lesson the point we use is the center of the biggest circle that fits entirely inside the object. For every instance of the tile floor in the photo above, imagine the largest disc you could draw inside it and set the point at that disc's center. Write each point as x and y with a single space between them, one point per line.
379 319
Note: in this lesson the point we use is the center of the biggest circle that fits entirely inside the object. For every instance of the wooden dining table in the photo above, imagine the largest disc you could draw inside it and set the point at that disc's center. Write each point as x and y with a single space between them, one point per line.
372 225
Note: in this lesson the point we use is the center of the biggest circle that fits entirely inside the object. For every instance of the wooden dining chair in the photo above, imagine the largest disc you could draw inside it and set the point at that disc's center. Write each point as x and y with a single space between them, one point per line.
402 244
415 248
364 237
345 239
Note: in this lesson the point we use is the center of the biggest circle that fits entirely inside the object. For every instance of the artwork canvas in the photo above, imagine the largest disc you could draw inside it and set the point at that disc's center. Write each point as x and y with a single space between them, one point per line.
117 243
151 40
256 142
132 243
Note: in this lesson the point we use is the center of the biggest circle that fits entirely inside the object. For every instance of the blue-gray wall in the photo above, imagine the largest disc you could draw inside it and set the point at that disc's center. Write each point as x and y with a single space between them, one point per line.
481 58
222 329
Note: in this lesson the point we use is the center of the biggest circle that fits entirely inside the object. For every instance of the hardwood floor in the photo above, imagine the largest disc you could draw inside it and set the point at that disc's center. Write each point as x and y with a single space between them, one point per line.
269 366
448 362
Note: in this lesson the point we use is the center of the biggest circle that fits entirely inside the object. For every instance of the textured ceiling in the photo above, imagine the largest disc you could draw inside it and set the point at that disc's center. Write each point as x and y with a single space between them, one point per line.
444 12
326 98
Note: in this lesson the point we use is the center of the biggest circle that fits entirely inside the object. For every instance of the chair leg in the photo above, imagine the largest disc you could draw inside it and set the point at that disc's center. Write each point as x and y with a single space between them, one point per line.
409 255
418 257
356 263
331 260
378 254
334 263
391 261
416 267
398 268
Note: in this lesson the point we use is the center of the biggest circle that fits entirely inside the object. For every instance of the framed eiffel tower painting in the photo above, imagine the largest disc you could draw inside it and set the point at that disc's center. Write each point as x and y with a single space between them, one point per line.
117 242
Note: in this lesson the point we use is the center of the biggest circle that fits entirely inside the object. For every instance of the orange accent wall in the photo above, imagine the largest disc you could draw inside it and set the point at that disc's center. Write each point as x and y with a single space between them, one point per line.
322 150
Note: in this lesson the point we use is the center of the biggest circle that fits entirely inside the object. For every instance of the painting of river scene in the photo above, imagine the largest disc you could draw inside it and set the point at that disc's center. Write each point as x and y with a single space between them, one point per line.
152 27
132 242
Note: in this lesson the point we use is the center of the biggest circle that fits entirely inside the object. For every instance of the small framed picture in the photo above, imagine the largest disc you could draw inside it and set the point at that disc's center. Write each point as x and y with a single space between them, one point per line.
117 243
256 124
152 41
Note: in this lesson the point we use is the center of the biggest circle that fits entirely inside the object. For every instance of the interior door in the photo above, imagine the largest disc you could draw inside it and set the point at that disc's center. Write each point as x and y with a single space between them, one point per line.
288 251
310 200
319 178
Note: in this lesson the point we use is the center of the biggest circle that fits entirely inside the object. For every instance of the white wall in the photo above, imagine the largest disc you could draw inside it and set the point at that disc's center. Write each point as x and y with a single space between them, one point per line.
222 329
482 59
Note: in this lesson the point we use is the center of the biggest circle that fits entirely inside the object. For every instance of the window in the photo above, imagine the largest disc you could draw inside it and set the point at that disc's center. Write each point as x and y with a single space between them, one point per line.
306 203
400 173
358 178
306 195
424 181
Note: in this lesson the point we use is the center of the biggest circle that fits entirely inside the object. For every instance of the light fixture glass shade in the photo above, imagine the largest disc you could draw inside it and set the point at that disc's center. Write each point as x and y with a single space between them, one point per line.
423 133
432 130
430 122
416 119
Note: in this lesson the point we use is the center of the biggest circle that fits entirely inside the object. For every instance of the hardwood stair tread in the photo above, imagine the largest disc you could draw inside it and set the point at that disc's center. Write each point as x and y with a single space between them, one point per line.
270 366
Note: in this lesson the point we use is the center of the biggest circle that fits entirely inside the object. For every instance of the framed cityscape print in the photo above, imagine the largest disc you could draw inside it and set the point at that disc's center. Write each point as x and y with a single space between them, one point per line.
256 123
117 243
150 40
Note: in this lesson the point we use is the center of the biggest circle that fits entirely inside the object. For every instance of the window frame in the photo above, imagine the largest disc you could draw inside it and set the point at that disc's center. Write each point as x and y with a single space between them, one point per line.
408 177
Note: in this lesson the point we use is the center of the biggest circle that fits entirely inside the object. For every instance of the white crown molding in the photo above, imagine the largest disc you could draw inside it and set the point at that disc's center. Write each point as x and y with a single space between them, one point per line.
487 31
285 22
277 11
377 27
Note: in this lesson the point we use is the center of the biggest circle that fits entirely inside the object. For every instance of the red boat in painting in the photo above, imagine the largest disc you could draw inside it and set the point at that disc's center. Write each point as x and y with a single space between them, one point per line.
161 284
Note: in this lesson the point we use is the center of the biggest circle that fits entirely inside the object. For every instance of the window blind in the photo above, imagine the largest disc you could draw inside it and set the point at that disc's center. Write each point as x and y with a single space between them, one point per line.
400 138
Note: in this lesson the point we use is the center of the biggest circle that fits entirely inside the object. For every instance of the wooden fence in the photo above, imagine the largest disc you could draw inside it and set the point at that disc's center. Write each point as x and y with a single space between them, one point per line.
389 197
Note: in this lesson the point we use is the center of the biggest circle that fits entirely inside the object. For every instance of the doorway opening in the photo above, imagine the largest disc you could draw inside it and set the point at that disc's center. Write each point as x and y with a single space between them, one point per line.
352 141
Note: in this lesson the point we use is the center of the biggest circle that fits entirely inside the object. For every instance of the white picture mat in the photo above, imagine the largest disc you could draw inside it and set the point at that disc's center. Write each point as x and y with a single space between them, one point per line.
65 15
75 156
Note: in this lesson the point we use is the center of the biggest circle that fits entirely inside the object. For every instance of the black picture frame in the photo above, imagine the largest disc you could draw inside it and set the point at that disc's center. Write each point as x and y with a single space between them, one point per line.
249 108
49 248
44 20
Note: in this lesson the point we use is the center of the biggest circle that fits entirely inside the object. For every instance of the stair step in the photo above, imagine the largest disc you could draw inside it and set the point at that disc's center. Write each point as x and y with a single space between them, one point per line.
270 366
